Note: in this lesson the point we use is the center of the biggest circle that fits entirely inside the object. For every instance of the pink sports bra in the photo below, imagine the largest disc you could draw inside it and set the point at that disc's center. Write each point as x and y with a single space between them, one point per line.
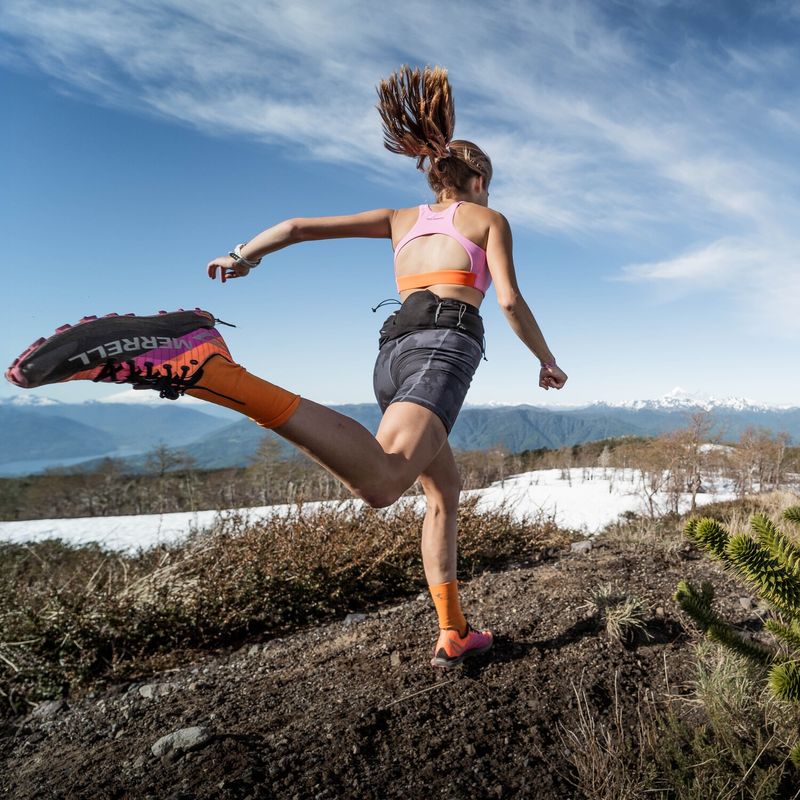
430 222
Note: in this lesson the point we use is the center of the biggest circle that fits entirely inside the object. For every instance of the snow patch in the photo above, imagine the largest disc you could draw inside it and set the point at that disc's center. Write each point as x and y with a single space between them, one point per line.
586 500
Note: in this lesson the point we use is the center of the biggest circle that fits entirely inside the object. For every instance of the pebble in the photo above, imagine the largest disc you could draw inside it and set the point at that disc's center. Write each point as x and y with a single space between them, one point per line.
746 603
151 690
354 619
395 659
584 546
180 741
49 708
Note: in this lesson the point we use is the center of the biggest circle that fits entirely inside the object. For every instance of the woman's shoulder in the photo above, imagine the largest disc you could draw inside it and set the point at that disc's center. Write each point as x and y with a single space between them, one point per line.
484 214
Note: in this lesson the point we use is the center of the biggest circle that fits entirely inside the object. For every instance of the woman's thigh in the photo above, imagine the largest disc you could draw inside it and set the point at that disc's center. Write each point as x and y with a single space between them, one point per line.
412 435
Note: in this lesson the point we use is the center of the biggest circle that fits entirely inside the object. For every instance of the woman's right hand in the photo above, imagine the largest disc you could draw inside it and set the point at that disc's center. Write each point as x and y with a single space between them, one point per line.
227 268
552 377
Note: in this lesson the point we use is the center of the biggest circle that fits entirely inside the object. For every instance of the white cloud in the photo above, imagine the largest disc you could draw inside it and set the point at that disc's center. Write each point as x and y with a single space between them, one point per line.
712 266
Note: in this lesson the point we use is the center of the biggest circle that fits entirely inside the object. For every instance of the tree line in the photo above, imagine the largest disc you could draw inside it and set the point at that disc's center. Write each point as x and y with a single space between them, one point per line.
668 465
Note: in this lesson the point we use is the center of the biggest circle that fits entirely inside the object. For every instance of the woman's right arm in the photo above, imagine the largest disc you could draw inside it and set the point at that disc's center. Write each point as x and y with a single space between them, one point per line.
375 224
499 249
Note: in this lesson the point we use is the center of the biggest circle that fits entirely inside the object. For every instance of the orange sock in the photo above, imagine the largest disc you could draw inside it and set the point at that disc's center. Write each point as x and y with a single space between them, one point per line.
231 385
448 606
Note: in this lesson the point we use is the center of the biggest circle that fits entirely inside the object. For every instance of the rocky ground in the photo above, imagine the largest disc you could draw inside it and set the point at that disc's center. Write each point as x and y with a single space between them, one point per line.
352 709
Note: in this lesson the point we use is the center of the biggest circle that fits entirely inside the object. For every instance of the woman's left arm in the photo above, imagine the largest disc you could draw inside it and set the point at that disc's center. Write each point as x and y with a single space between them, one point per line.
375 224
501 266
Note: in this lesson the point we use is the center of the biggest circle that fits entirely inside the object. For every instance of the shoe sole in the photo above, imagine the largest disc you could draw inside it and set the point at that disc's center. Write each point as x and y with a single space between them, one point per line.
454 662
47 359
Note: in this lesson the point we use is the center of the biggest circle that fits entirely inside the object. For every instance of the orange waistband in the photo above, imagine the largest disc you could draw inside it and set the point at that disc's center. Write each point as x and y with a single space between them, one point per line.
460 277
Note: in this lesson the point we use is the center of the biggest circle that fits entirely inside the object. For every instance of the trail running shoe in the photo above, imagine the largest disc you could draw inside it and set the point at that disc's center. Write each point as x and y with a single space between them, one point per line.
452 649
165 352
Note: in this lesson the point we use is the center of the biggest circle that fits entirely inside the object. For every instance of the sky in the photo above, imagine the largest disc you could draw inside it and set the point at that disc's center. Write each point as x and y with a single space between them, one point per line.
645 153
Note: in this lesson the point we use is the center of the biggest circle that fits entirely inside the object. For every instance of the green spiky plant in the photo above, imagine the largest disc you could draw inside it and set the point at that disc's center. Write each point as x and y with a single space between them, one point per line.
770 564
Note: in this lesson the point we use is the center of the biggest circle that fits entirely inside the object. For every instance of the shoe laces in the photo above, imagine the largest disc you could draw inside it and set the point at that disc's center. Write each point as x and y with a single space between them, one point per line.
167 382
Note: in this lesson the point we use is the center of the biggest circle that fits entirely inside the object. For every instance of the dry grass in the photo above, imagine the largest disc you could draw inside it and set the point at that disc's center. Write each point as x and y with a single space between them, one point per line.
77 616
622 616
736 514
661 537
611 757
724 740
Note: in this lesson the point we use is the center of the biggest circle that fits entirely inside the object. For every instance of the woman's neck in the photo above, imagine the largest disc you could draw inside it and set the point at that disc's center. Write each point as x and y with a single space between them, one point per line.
453 199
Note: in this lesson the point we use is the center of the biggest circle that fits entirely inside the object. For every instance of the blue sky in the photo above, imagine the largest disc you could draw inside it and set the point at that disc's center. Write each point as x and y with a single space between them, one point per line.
646 154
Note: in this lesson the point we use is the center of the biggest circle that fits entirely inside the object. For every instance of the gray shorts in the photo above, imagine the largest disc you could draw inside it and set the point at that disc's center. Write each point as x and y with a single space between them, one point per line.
431 367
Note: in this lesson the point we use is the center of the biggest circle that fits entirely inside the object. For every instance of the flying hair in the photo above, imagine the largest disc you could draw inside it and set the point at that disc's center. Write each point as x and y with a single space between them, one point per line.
418 116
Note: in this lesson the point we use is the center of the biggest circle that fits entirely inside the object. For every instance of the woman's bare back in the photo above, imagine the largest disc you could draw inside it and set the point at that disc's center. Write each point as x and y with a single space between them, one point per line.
438 251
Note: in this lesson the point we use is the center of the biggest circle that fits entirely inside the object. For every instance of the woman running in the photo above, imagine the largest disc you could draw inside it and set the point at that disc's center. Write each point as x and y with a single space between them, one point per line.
446 254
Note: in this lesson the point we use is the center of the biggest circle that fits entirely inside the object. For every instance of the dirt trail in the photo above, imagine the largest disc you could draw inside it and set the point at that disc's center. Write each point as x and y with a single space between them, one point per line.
355 711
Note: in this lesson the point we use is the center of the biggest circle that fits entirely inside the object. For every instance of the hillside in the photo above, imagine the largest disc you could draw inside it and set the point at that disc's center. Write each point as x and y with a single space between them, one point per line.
351 709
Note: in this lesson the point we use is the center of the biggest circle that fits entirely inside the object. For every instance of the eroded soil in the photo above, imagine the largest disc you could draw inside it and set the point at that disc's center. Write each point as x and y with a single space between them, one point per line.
355 711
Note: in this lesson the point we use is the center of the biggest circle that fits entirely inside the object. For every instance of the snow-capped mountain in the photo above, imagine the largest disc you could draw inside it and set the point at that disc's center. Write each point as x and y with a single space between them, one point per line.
37 432
682 400
28 401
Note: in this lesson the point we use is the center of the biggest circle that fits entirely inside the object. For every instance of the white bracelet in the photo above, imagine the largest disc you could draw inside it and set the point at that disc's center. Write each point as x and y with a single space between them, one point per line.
236 255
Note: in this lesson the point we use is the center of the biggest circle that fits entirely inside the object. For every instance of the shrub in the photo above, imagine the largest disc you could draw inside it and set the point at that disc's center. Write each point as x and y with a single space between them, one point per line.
75 616
770 564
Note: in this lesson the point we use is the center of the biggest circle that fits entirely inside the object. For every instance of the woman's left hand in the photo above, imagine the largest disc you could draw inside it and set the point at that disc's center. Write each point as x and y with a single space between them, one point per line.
227 268
552 377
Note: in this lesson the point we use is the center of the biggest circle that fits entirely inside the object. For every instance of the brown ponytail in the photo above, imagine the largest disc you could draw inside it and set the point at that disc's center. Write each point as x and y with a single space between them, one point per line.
418 116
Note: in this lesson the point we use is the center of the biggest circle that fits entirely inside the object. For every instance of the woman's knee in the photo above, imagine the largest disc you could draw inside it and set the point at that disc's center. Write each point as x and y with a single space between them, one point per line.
442 495
380 495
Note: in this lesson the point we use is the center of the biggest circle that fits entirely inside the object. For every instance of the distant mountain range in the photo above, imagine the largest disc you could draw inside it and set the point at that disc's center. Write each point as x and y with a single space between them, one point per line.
37 433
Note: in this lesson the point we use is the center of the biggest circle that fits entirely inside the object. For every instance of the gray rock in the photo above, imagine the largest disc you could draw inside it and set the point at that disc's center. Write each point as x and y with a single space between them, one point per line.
354 619
584 546
151 690
180 741
254 650
746 603
49 708
395 659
